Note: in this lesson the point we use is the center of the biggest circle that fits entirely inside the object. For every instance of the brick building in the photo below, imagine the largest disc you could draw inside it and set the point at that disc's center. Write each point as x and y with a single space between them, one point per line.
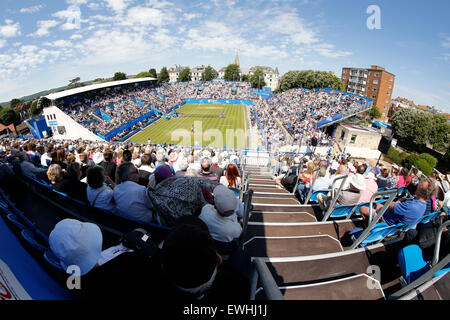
375 83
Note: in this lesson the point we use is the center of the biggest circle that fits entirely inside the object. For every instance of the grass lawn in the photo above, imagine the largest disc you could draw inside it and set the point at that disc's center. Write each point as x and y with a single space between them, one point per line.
209 128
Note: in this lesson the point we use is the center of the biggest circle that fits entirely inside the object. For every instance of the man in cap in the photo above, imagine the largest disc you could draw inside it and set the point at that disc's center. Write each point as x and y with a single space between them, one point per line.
220 218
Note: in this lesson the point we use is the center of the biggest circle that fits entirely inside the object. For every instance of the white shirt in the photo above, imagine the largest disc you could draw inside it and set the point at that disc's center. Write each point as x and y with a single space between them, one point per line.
322 183
104 200
133 202
224 181
146 168
223 229
44 159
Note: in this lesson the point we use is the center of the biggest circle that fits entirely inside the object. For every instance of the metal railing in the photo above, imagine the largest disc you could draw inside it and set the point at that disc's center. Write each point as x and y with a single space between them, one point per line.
247 209
334 197
261 274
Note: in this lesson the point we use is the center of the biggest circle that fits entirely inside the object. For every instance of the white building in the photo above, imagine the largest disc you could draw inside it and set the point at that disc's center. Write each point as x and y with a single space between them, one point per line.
174 72
271 76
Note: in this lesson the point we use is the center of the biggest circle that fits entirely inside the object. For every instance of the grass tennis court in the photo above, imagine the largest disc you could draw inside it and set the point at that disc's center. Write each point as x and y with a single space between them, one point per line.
209 128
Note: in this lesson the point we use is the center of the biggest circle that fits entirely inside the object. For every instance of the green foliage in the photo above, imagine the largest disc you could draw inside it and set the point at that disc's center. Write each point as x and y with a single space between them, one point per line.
394 155
15 102
209 74
8 116
98 80
410 161
256 82
424 166
374 113
230 71
309 79
142 75
185 75
245 78
432 161
119 76
163 75
34 108
152 73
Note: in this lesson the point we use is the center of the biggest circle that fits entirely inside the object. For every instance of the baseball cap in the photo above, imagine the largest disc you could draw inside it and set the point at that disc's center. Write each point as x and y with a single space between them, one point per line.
224 200
76 243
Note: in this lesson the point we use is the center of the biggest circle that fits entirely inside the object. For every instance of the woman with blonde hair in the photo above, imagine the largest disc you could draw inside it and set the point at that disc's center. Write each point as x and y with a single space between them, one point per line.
54 174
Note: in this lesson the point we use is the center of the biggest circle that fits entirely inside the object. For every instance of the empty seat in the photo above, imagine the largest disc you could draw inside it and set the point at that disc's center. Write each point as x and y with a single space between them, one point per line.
30 238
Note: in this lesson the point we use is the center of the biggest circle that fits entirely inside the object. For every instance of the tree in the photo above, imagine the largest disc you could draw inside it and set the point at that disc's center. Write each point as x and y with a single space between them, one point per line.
142 75
8 116
152 73
163 75
374 113
98 80
440 132
34 108
232 72
309 79
119 76
15 102
185 75
432 161
245 78
209 74
256 80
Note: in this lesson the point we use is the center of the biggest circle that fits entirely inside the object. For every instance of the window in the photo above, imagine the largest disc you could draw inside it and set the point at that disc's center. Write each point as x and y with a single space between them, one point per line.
374 96
345 71
375 81
383 115
370 73
377 74
342 135
391 79
385 107
390 86
344 77
387 100
353 139
374 89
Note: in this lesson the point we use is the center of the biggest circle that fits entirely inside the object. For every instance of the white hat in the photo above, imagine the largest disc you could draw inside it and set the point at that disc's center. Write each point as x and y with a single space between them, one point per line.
98 157
370 175
224 199
358 182
76 243
296 160
334 165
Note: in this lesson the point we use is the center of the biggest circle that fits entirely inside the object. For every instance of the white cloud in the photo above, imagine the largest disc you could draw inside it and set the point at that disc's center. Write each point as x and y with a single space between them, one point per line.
190 16
118 5
43 27
72 15
2 43
10 30
59 43
146 16
94 5
76 37
77 2
446 41
32 9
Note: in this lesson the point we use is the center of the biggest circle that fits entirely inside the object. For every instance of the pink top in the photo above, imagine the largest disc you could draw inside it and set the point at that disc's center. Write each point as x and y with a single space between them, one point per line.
371 189
401 181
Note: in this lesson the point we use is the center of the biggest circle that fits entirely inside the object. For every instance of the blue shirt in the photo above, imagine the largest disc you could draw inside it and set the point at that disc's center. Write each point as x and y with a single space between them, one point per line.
407 212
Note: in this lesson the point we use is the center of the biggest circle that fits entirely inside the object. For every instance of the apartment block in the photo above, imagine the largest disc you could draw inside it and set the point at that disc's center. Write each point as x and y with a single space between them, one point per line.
375 83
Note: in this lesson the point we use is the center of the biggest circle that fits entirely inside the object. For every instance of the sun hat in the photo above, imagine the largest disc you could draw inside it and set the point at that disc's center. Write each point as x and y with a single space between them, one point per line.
76 243
358 182
98 157
225 200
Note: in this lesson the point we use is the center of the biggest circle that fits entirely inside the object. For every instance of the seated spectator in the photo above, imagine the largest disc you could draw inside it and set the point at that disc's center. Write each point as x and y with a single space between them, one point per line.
304 182
403 178
131 199
161 173
54 174
145 170
232 177
405 211
219 218
204 275
71 184
206 172
46 158
347 197
393 179
28 168
371 186
322 182
382 179
108 164
99 195
218 171
76 243
412 187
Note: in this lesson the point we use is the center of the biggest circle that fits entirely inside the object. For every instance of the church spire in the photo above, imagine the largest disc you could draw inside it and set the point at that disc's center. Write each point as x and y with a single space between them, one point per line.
236 60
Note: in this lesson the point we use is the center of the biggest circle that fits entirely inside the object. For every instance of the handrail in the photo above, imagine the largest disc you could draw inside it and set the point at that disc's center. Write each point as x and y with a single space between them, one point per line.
247 207
392 194
261 272
312 185
334 197
437 246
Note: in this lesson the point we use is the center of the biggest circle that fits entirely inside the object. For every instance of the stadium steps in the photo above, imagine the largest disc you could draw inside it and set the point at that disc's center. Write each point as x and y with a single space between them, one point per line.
436 289
349 288
291 246
95 117
274 200
281 217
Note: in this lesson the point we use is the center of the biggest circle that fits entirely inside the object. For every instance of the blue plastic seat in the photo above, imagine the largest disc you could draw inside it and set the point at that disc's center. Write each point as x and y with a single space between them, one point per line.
379 232
341 211
412 263
30 238
314 195
52 260
14 220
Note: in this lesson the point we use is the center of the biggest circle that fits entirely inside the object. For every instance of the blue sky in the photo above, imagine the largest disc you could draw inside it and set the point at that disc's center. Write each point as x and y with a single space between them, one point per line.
44 44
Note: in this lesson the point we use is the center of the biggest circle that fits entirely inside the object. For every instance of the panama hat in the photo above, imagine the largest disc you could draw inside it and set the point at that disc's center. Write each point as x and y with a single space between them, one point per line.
358 182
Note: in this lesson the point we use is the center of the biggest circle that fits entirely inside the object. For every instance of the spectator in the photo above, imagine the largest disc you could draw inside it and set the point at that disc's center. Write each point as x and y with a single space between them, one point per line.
54 174
218 171
131 199
71 184
206 172
28 168
108 164
322 182
403 178
382 180
371 186
347 197
405 211
183 166
232 177
99 195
